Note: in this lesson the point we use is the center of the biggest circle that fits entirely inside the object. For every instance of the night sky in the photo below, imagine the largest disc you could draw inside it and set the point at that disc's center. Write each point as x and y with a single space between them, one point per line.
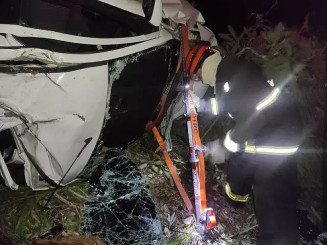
237 13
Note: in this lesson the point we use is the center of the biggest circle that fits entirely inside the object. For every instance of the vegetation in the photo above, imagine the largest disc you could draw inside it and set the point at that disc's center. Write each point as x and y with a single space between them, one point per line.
21 218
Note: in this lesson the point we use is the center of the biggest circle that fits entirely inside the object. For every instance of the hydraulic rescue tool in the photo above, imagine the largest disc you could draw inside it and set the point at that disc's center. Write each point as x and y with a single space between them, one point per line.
205 217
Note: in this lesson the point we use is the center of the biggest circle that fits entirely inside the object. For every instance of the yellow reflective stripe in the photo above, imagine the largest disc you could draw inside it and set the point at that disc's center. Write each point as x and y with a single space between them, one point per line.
230 144
277 150
214 106
270 99
235 197
271 150
249 148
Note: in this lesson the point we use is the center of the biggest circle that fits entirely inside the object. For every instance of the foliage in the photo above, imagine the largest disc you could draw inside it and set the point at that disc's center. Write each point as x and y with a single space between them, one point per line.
285 55
21 218
234 225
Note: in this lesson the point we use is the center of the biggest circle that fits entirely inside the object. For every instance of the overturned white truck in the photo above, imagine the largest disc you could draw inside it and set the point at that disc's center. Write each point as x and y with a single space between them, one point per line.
69 66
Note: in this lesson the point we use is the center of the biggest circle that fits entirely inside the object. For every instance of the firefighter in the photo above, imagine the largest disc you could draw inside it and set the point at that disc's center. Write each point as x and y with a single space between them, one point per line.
261 145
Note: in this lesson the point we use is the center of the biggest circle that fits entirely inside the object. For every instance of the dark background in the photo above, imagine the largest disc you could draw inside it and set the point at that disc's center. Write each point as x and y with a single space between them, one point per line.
237 13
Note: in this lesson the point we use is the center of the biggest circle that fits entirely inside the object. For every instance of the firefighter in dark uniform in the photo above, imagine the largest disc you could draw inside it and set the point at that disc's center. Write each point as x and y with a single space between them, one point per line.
261 146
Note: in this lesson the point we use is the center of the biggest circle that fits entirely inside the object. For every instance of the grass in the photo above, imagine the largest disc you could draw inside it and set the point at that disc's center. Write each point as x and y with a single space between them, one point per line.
21 218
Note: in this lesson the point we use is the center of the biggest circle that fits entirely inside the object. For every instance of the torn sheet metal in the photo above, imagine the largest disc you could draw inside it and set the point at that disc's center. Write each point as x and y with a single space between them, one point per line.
207 35
22 31
61 111
4 172
56 118
156 17
9 41
48 56
135 7
132 6
8 119
181 11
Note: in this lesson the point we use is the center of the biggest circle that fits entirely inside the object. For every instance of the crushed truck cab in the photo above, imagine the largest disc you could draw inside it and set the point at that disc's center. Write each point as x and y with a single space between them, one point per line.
60 63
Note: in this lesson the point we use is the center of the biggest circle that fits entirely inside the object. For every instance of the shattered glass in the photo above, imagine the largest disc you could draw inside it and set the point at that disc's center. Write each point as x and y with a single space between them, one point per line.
120 210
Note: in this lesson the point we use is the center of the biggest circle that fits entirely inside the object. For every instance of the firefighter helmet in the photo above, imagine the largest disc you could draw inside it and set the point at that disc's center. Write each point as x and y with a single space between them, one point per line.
196 57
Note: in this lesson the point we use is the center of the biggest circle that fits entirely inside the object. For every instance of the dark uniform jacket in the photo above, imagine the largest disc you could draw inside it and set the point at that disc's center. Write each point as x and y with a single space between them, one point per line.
266 135
278 124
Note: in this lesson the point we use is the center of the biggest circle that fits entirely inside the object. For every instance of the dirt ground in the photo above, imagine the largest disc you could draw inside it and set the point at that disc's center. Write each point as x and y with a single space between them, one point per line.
234 225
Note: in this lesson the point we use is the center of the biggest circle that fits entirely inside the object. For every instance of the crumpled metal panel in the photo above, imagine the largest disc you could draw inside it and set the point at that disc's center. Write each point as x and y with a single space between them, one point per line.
23 31
57 58
58 112
135 7
56 118
8 119
181 11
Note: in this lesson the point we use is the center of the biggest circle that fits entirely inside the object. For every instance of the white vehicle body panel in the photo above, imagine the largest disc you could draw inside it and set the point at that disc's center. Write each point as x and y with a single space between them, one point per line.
67 58
51 114
22 31
59 111
135 7
132 6
181 11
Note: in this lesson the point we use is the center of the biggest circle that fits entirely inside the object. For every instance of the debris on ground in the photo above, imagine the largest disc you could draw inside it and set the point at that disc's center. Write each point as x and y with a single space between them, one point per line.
234 225
120 209
70 239
21 218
